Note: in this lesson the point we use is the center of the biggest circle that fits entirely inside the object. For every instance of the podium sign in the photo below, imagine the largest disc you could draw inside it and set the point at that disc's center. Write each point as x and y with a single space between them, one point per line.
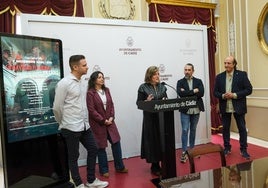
167 105
165 110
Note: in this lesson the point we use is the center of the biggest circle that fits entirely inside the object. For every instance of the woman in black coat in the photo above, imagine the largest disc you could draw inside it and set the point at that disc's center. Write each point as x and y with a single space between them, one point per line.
152 89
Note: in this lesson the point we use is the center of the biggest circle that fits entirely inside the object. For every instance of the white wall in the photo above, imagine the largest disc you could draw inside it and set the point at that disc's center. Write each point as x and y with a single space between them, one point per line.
123 50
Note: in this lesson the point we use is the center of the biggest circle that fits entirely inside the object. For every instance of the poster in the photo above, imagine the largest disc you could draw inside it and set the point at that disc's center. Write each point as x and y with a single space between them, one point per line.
31 68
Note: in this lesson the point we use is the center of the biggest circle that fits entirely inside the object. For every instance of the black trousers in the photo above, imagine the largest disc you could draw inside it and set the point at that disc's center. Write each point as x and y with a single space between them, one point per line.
87 140
241 125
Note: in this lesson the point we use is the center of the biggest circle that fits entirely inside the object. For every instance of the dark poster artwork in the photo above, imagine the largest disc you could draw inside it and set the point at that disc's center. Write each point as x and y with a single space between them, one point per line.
34 153
30 70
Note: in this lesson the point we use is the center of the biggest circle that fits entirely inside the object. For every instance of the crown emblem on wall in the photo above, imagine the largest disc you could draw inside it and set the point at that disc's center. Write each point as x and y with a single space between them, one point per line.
117 9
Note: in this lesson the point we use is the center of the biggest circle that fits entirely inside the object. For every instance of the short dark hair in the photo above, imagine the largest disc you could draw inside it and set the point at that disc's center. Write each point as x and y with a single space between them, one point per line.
75 59
190 64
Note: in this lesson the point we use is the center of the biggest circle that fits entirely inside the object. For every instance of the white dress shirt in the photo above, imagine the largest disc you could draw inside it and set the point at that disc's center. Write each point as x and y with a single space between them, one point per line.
69 106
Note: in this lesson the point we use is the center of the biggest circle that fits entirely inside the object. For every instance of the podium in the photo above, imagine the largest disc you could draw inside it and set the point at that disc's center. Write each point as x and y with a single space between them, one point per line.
165 110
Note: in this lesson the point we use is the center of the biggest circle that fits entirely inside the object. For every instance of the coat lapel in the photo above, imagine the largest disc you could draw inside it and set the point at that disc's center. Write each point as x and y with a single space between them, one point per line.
235 79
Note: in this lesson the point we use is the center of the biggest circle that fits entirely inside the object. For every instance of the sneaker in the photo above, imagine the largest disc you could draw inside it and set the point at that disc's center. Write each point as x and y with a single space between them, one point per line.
97 184
184 157
226 151
81 186
245 154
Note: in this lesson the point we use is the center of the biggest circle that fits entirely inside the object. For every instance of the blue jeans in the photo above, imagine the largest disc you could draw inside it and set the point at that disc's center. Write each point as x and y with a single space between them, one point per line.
188 121
241 125
117 155
72 142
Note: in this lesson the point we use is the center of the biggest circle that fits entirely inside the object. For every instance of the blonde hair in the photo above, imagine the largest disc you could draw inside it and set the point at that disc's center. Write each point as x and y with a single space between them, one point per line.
149 73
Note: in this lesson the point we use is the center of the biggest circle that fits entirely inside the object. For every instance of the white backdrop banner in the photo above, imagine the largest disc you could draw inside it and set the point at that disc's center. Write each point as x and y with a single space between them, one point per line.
123 50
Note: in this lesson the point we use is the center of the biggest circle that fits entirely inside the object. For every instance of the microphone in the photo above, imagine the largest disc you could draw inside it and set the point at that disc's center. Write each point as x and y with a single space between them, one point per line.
165 84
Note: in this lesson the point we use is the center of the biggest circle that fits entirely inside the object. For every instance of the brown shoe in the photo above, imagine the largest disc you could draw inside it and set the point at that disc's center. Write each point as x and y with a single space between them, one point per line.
106 175
124 170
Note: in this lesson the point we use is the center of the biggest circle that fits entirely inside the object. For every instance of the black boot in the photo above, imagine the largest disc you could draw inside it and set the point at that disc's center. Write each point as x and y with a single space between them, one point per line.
156 169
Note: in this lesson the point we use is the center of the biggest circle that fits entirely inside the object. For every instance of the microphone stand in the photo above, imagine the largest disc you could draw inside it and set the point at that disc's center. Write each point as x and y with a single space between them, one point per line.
165 84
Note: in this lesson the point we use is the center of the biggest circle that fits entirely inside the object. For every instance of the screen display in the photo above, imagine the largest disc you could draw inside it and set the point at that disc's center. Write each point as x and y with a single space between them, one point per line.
31 68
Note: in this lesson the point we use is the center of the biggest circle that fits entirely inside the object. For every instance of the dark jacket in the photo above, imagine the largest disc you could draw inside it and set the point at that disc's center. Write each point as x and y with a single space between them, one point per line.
97 116
150 137
240 85
197 83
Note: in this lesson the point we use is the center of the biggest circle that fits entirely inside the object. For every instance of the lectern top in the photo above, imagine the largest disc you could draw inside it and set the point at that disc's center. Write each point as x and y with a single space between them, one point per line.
168 104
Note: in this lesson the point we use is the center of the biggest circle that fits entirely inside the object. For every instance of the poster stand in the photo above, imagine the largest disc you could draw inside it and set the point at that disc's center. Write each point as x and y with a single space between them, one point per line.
34 152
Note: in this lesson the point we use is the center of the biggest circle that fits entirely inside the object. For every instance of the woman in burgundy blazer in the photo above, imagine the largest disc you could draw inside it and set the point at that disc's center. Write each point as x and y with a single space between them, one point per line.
101 119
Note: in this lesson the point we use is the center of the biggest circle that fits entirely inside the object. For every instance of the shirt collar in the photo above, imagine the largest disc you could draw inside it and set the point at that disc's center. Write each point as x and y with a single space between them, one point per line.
230 73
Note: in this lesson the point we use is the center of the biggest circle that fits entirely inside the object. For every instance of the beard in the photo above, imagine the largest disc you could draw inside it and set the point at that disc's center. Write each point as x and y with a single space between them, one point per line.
187 76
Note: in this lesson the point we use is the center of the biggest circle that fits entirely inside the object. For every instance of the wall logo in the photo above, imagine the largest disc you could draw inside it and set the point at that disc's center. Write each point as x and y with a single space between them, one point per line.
130 41
130 50
96 68
162 70
187 43
188 50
